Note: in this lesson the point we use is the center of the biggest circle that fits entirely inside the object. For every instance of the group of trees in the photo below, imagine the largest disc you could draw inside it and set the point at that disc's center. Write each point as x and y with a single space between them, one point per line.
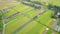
56 9
35 4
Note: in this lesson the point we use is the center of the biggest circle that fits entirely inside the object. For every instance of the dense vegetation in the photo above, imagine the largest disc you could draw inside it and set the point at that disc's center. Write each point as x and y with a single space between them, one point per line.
1 21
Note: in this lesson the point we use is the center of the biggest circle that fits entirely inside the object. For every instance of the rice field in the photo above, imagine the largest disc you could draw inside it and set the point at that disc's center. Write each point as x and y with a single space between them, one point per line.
24 19
25 22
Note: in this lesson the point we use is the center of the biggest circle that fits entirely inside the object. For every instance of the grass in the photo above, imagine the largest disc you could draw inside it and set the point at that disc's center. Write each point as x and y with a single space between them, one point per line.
28 28
16 9
53 2
16 21
49 31
20 20
32 13
12 26
14 17
5 4
39 28
35 29
45 17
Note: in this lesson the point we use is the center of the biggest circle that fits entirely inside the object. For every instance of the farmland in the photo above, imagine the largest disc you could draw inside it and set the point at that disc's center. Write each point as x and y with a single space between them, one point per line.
29 17
24 20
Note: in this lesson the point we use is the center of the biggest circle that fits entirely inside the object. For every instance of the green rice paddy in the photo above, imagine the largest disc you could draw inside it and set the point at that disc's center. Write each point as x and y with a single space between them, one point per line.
21 19
33 27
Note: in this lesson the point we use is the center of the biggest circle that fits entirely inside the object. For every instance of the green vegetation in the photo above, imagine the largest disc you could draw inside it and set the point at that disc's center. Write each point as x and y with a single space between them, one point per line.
16 9
10 15
40 26
18 21
45 17
13 24
24 22
58 22
49 31
1 24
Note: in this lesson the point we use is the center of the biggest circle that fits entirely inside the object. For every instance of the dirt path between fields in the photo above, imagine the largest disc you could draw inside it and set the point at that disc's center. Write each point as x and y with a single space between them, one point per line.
0 32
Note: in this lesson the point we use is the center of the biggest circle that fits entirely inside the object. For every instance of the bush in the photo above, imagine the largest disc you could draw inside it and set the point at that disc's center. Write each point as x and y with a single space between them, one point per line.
54 17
